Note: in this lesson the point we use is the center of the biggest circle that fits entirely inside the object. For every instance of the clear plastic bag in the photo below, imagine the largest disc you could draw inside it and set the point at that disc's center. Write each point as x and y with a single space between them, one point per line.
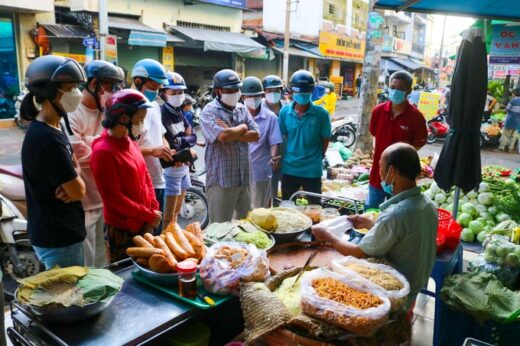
498 250
397 297
364 322
227 263
338 225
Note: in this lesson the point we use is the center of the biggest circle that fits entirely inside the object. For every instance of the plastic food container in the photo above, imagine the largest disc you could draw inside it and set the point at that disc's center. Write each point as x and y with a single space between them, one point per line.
313 211
329 214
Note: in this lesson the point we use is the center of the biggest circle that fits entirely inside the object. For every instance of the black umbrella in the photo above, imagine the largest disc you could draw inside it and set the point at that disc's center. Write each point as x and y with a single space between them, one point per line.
459 162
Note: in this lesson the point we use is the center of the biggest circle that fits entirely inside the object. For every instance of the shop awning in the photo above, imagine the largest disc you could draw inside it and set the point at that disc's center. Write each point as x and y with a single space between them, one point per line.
299 49
406 63
421 64
140 34
66 30
223 41
497 9
389 66
298 52
173 38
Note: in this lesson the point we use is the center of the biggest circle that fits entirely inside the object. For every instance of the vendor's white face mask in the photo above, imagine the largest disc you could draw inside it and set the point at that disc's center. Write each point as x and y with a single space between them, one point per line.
70 99
253 102
137 130
231 100
176 100
274 97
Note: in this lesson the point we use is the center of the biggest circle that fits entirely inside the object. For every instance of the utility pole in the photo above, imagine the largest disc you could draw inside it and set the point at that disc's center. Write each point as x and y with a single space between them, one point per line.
440 62
103 28
369 86
287 36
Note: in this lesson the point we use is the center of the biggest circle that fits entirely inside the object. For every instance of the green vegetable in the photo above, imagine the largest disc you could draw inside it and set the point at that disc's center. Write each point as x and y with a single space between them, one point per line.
470 209
481 237
476 227
481 208
258 238
464 219
490 223
502 250
493 210
363 177
440 198
512 260
483 187
489 258
472 195
485 198
468 235
502 217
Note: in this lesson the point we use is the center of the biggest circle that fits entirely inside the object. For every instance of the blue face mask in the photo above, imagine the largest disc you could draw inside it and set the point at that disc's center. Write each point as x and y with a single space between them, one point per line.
388 188
396 96
302 98
151 95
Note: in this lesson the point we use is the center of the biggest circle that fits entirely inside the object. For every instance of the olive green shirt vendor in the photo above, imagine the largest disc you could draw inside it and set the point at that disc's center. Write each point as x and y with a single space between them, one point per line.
406 229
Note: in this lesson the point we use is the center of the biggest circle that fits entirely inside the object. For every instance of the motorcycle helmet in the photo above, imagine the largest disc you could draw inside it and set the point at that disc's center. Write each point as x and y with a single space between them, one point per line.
272 82
150 69
44 75
302 81
127 101
102 71
175 81
226 79
252 86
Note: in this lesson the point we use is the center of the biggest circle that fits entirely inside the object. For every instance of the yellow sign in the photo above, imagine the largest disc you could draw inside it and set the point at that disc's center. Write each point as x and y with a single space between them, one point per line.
168 58
111 48
342 46
81 58
336 79
429 104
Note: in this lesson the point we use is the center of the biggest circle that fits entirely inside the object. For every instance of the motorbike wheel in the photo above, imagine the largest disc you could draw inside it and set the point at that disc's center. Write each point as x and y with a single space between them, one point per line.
432 136
194 209
345 135
29 260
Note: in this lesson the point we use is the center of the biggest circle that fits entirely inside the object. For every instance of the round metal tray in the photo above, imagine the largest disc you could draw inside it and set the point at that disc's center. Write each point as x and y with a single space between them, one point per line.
158 278
289 236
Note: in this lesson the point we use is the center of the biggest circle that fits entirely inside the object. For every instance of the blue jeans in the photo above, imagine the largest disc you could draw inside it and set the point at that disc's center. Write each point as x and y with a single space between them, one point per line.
159 195
375 198
66 256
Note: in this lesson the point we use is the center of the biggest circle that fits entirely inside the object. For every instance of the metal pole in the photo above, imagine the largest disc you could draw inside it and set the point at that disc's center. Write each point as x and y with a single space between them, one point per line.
103 27
456 203
439 64
287 36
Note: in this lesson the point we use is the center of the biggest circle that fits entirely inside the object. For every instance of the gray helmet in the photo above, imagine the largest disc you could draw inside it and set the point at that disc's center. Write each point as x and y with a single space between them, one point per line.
44 74
272 82
252 86
103 71
302 81
226 79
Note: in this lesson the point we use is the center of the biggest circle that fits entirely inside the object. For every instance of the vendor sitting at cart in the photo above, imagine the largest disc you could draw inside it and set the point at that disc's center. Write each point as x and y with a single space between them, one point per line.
406 229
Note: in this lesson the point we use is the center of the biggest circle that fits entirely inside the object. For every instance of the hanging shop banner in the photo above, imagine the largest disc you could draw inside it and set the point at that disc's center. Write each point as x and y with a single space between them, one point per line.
168 58
396 45
429 104
89 54
342 46
111 49
505 45
81 58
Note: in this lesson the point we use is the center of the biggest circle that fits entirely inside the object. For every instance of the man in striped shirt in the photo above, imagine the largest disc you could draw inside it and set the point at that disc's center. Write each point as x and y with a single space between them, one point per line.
512 123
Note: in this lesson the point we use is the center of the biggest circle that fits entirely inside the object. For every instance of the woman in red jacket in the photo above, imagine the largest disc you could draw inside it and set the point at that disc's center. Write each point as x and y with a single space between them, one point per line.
130 207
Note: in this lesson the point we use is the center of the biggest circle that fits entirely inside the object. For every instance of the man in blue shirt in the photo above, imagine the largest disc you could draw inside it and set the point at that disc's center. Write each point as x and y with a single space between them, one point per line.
512 123
307 129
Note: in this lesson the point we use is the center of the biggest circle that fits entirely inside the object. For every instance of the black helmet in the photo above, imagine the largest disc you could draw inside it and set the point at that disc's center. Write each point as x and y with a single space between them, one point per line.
226 79
103 70
252 86
45 72
302 81
272 82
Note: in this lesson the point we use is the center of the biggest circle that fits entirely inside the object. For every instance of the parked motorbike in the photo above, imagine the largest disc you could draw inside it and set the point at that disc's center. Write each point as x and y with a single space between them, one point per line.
383 96
490 133
344 131
195 207
22 124
438 127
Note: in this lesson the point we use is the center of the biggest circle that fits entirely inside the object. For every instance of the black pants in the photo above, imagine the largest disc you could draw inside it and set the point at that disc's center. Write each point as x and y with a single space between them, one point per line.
292 184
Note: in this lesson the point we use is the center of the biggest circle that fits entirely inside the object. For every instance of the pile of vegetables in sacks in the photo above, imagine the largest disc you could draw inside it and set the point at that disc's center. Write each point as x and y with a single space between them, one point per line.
492 210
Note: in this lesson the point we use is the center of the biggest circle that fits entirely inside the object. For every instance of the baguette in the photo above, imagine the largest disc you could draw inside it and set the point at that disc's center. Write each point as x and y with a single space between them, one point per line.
141 242
179 252
145 252
172 262
181 239
143 261
168 229
195 243
195 229
159 264
149 237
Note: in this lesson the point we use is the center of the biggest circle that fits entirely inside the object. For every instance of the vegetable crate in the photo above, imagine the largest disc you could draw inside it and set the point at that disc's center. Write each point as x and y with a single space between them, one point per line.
344 208
456 326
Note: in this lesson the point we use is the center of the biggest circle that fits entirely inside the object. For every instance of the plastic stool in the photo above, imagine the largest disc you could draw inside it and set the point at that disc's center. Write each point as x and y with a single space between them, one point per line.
447 263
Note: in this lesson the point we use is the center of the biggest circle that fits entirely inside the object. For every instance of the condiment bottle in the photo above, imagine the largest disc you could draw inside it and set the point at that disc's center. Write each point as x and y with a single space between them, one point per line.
314 211
328 214
187 279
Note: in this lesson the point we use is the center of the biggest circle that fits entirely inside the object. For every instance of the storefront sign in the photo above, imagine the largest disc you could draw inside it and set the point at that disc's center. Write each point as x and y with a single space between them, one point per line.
396 45
429 104
228 3
505 45
81 58
343 46
111 48
89 54
168 58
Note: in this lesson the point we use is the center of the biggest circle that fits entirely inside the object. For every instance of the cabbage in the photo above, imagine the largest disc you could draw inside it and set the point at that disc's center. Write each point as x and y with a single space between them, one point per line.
490 223
512 259
488 229
474 201
464 219
434 188
485 198
502 217
485 215
481 237
463 200
449 207
440 198
470 209
467 235
493 210
472 195
450 199
428 194
444 206
483 187
481 208
476 227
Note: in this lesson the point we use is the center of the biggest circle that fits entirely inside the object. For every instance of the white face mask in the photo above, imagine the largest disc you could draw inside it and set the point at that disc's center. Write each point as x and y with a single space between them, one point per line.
231 100
327 91
175 100
253 102
103 98
137 130
273 97
70 99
